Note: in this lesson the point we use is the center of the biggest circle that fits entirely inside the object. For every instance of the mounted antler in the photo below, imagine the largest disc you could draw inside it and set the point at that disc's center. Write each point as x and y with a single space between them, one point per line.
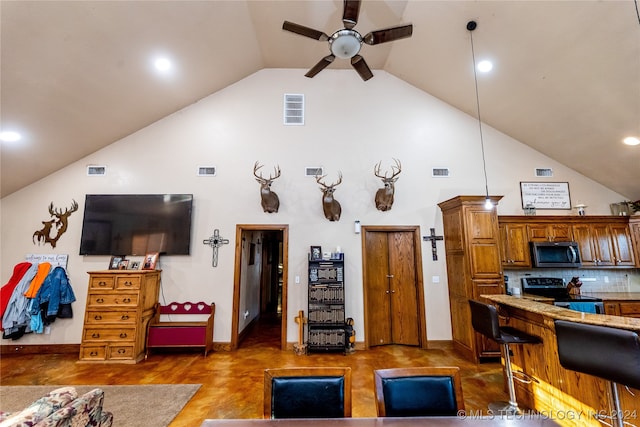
330 206
384 196
269 199
60 222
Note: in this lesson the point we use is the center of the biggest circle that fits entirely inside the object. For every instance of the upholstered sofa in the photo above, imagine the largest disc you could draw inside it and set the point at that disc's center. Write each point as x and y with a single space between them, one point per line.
62 407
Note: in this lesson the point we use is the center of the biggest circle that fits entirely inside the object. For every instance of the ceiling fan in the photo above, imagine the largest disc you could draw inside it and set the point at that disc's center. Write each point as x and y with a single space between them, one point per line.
346 43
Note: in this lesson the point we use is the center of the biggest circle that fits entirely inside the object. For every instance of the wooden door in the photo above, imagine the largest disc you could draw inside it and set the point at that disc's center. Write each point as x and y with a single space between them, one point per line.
393 288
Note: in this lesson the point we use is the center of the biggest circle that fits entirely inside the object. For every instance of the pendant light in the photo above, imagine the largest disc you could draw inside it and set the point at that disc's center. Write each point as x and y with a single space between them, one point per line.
488 204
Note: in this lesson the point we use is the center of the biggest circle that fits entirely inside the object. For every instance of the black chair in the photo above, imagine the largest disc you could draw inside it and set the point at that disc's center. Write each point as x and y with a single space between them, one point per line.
485 320
418 392
608 353
307 392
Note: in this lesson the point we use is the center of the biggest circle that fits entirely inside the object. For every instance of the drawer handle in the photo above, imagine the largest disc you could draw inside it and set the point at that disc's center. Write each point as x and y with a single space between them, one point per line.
125 317
126 300
128 283
97 317
123 335
95 335
121 351
93 353
101 283
100 300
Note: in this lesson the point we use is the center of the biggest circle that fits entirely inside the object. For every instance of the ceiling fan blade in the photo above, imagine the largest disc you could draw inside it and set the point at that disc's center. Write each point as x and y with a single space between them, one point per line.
305 31
388 34
324 63
361 67
350 14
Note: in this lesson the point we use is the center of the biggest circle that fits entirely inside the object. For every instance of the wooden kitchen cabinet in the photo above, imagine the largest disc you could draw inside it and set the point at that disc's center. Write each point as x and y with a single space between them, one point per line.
622 308
605 244
474 268
623 252
634 231
549 232
120 303
514 245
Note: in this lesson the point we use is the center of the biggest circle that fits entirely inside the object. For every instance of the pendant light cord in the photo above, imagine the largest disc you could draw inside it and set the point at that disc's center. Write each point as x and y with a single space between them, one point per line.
475 78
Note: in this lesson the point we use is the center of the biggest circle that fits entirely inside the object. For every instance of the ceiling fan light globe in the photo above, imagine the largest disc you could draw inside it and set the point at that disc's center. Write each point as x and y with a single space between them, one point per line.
345 44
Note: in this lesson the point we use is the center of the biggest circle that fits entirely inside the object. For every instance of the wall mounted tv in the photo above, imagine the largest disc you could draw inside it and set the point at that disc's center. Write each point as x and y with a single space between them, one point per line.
136 224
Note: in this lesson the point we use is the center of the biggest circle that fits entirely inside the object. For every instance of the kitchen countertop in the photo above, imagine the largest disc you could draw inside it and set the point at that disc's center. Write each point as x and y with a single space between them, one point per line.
559 313
614 296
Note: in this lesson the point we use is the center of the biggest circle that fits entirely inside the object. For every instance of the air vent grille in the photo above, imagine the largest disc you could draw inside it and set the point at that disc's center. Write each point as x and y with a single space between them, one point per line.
206 171
440 172
293 109
96 170
314 171
544 172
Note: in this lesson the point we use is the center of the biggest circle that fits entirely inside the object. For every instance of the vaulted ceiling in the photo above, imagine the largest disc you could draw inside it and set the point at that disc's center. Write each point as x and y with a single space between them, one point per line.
75 75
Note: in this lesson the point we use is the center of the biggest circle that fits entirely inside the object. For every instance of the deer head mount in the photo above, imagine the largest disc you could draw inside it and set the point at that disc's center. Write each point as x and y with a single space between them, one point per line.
269 199
330 206
59 224
384 196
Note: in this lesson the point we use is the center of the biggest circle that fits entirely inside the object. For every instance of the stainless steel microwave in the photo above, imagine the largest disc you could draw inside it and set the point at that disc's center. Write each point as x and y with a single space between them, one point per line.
555 254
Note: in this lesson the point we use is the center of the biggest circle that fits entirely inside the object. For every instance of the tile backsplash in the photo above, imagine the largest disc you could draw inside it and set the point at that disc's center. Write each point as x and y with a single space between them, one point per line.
608 280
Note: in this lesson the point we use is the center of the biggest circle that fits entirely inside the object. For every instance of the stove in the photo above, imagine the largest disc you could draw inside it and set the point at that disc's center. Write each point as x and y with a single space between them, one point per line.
554 287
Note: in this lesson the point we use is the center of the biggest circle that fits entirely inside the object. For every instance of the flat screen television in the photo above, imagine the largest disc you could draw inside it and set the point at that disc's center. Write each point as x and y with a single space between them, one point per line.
136 224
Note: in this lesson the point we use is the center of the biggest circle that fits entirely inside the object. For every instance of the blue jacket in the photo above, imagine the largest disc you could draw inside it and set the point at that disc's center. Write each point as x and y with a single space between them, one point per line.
56 290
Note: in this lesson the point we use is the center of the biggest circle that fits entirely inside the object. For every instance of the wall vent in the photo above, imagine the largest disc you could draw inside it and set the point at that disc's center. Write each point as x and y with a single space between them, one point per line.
440 172
96 170
206 171
313 171
544 172
293 109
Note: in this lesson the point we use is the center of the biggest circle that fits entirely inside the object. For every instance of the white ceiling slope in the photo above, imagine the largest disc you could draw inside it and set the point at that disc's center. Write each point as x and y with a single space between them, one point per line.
75 75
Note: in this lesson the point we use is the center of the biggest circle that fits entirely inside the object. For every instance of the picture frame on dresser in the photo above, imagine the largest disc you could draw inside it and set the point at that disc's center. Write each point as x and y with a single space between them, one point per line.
150 261
114 264
316 253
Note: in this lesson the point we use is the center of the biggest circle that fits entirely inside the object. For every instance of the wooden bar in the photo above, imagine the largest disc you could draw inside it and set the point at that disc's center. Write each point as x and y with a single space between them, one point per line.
555 389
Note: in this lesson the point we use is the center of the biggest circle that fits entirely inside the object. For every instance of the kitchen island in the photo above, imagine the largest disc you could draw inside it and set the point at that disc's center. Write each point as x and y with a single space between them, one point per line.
570 398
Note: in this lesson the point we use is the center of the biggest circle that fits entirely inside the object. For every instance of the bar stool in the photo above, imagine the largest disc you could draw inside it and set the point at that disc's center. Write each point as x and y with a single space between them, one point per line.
608 353
484 318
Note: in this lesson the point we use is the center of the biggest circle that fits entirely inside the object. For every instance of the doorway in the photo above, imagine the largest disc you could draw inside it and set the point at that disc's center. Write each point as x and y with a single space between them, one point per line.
260 284
393 286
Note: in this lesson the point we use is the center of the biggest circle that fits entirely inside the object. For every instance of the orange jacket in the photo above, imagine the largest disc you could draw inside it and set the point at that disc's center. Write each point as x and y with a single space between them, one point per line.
43 271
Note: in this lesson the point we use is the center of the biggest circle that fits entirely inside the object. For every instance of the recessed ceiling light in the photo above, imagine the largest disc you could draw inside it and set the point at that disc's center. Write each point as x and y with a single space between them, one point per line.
10 136
162 64
485 66
631 140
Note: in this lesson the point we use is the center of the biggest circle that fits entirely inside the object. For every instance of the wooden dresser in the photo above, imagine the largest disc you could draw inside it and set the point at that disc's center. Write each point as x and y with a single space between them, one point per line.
120 304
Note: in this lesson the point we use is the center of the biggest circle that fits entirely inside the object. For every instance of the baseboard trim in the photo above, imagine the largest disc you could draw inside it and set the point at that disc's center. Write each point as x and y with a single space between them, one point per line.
7 350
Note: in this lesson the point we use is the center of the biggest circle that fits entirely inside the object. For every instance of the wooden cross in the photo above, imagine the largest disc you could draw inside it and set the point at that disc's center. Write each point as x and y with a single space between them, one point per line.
215 242
433 238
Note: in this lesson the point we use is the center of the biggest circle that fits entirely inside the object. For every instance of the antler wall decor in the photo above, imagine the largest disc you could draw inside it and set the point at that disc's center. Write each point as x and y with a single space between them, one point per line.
59 224
384 196
269 199
330 206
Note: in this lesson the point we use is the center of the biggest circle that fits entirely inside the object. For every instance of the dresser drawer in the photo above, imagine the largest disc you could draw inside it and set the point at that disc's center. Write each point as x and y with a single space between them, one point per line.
101 283
107 317
127 282
91 352
124 352
97 300
109 334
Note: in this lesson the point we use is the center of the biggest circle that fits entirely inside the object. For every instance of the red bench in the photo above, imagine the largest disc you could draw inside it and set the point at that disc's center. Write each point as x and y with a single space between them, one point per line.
181 332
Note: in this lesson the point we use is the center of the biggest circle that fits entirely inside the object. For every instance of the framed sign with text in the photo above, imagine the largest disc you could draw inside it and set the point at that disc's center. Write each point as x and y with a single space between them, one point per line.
545 195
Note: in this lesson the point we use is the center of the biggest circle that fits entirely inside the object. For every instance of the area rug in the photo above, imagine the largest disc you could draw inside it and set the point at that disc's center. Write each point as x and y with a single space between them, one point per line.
131 405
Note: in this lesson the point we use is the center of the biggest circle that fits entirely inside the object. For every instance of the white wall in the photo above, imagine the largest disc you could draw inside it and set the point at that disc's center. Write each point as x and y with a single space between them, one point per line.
350 126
